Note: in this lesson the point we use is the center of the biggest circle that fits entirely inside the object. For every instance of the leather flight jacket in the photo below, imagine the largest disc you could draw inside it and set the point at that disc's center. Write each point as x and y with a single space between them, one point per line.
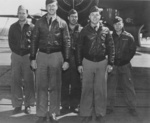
125 48
20 39
74 35
95 45
50 39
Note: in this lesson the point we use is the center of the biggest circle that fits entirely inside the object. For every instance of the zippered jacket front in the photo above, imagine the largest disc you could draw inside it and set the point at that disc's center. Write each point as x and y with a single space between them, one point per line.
19 40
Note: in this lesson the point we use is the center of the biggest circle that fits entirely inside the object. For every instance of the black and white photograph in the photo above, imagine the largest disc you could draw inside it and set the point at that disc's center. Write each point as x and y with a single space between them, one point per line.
74 61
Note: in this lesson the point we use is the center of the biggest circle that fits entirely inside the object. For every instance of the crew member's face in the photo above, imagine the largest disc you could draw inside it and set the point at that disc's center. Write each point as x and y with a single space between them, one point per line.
118 26
22 14
52 8
73 19
95 17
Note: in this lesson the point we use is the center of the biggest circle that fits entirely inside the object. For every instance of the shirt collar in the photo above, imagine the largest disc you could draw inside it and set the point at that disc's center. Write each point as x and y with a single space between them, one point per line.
123 31
75 28
53 18
97 25
27 22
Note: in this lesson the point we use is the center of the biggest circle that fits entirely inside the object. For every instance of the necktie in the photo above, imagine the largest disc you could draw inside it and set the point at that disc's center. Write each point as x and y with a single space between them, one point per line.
50 21
95 28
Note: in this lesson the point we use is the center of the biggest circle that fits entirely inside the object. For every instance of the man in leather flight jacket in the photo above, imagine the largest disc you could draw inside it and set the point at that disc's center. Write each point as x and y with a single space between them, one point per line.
52 41
71 84
125 49
95 57
19 42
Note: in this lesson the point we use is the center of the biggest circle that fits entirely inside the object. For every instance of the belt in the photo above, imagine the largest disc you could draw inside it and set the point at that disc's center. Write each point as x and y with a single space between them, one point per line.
49 51
95 59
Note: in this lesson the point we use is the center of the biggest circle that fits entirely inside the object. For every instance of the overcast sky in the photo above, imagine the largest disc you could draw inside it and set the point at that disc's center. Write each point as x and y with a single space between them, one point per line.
11 6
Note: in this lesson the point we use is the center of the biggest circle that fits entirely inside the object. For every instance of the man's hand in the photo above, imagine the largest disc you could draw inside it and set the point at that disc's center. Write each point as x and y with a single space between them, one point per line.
80 69
33 64
109 68
65 66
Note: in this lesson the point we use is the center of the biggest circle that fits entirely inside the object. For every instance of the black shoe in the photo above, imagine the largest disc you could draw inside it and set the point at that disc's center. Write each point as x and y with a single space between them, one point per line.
133 112
64 110
41 120
109 111
99 119
86 119
17 110
53 120
74 110
27 110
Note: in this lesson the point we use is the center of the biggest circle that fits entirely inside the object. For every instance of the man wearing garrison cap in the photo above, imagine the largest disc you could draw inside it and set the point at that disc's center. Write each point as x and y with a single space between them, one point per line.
19 43
125 48
51 43
95 57
71 84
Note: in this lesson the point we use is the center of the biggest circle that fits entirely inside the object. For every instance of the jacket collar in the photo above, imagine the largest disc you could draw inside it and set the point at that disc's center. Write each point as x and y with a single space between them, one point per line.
91 28
27 23
56 18
123 32
75 29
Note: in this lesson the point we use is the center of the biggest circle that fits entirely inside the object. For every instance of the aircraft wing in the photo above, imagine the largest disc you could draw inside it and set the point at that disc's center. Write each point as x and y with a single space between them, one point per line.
7 16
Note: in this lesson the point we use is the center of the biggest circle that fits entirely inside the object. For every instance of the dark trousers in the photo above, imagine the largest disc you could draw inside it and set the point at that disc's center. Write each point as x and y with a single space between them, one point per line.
71 86
121 75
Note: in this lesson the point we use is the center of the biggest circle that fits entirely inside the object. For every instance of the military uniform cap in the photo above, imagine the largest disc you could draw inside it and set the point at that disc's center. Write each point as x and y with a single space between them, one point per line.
50 1
72 11
22 7
117 19
96 9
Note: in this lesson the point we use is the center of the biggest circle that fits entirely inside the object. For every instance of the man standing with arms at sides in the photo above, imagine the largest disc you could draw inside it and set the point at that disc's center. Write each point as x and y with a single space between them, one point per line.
19 40
125 48
71 84
52 41
95 56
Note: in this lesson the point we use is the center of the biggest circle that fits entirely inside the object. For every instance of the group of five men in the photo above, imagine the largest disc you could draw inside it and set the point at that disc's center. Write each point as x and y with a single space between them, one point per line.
61 54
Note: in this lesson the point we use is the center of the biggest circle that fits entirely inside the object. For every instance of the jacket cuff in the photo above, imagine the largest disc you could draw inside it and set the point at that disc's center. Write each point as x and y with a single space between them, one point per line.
79 64
124 62
32 58
110 63
66 60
